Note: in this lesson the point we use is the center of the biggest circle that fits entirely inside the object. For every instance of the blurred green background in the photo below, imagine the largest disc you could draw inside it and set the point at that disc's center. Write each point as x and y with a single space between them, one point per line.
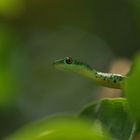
35 33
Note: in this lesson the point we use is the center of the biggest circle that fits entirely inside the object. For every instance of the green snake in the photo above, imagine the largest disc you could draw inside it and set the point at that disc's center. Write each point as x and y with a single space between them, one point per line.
105 79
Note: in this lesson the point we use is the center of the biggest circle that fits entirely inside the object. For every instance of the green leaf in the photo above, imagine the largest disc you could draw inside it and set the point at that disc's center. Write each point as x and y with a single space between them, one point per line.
113 115
61 128
132 90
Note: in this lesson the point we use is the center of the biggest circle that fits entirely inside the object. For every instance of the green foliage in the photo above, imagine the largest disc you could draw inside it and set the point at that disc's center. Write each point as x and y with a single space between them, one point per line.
64 128
113 115
11 7
132 91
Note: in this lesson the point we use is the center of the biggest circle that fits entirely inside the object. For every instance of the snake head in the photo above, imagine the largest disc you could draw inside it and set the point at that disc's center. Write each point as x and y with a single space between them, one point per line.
69 64
64 64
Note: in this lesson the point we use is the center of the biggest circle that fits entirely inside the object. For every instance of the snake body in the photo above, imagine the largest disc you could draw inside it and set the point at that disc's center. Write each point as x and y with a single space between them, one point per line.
105 79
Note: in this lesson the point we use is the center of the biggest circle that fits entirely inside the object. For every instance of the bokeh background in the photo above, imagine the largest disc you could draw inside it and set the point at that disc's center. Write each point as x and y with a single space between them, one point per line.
33 34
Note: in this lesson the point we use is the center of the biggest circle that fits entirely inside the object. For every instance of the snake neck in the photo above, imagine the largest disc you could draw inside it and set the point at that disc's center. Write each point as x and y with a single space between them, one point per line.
104 79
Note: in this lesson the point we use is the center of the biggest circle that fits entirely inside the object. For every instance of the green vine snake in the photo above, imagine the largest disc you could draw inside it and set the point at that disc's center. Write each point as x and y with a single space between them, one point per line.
105 79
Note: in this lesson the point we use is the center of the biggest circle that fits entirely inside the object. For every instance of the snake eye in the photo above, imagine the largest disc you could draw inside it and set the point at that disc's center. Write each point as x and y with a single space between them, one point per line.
68 60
